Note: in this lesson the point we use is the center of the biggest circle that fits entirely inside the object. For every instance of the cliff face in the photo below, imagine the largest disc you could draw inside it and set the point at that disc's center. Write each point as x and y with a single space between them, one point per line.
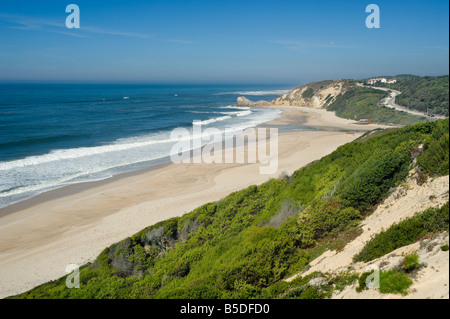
314 95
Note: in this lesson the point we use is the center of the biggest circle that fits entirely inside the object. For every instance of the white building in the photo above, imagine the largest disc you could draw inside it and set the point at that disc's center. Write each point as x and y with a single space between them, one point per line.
375 80
382 80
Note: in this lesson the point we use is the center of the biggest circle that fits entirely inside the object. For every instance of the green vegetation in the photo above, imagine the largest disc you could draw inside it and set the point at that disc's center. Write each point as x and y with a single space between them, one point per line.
411 262
372 180
362 281
390 281
245 244
308 93
435 159
406 232
302 287
444 247
394 282
428 93
363 103
328 99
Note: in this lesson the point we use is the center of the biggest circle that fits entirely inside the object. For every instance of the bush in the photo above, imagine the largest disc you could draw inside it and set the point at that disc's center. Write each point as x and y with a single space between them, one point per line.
325 219
288 209
435 158
395 282
411 262
308 93
362 281
312 293
373 179
405 233
342 280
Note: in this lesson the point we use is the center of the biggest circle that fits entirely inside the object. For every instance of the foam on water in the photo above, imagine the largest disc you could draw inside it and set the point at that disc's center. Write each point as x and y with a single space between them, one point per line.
29 176
256 93
228 115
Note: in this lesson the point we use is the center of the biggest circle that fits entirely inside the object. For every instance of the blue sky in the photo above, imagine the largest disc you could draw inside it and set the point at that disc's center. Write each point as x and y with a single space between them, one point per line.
196 41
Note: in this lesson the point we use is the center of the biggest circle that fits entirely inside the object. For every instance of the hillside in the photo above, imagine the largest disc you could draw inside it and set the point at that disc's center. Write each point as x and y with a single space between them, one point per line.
344 98
246 244
314 95
365 103
426 94
406 222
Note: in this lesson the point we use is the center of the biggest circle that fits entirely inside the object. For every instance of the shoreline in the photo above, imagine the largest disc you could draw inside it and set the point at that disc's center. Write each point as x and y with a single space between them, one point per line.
38 242
71 188
162 162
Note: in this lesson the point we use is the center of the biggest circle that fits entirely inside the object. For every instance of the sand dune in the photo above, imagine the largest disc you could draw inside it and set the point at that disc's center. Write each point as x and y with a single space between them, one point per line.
404 202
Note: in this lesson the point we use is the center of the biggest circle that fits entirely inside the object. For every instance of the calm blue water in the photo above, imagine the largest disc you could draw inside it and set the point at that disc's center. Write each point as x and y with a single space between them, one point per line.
52 135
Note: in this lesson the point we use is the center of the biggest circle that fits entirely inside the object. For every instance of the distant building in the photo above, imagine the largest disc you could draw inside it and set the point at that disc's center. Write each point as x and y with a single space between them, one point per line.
382 80
373 81
364 121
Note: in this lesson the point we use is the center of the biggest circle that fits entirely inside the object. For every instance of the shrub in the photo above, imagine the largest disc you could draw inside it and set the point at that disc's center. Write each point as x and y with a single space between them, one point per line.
343 280
373 179
411 262
362 281
312 293
288 209
395 282
344 238
308 93
435 158
405 233
325 218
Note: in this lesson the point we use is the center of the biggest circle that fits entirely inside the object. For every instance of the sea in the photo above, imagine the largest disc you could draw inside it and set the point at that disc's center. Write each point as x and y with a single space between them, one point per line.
54 135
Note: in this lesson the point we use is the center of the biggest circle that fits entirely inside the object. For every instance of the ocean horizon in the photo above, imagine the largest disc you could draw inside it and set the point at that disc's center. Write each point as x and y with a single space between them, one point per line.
55 135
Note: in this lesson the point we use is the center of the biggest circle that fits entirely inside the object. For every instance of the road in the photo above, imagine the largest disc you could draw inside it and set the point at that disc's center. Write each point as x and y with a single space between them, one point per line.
390 102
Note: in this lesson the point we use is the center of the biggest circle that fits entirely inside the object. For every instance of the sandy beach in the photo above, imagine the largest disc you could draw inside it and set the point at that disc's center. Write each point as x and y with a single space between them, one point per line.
39 241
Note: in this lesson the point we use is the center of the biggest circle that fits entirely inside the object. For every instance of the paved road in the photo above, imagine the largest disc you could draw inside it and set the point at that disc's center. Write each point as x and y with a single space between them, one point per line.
390 102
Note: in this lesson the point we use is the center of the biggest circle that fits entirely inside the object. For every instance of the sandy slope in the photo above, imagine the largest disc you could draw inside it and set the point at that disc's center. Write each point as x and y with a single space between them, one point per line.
430 282
37 243
404 202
